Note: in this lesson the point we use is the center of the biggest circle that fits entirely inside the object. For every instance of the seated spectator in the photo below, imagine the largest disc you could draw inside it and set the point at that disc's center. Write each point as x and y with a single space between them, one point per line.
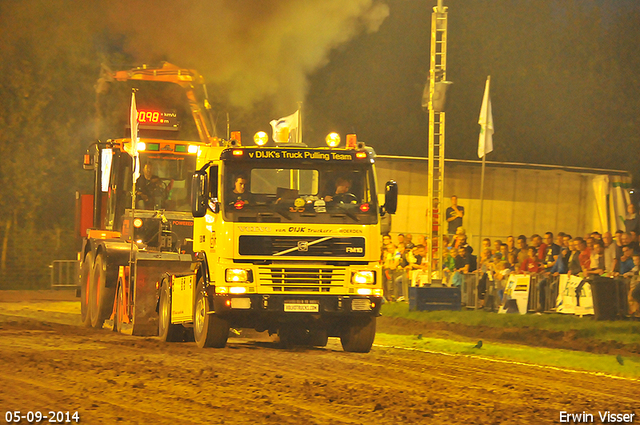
485 269
408 241
633 241
448 266
486 244
531 263
500 278
513 262
417 264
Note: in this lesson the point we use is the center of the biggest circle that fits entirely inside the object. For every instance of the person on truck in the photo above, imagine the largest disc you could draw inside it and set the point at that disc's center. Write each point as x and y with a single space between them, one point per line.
342 194
150 191
239 193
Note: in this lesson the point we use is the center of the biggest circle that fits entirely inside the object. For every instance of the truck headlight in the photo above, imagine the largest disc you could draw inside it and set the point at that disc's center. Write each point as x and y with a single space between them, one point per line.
363 277
238 275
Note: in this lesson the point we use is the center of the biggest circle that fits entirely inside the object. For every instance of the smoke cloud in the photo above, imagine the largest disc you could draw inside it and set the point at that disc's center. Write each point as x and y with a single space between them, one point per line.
251 50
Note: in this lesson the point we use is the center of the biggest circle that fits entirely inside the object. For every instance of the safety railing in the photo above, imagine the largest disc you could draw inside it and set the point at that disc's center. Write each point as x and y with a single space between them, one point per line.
65 274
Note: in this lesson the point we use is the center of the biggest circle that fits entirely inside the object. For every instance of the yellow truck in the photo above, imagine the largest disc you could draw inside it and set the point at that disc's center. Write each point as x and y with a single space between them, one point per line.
282 238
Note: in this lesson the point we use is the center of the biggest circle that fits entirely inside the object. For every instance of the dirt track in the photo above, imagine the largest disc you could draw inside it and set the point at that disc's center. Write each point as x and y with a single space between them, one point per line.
112 378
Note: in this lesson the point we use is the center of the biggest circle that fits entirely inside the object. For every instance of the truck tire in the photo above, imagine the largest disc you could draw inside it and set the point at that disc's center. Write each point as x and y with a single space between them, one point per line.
358 334
318 337
85 283
167 331
101 296
209 330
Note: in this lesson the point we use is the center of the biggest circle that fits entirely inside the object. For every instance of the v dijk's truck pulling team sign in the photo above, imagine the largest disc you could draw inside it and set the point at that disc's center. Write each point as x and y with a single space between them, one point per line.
282 239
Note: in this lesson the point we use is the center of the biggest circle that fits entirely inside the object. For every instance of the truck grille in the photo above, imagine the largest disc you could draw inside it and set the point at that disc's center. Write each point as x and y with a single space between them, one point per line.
289 279
301 246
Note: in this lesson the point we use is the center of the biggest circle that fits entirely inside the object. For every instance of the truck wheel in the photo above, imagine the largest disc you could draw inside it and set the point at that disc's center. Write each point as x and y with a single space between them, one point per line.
318 337
209 330
85 282
167 331
358 335
100 295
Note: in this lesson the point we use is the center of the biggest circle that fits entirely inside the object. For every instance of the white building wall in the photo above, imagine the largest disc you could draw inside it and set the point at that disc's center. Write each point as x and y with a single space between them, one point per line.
518 199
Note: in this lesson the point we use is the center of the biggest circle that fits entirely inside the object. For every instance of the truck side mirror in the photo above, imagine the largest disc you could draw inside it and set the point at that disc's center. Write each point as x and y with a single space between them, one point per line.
390 197
199 193
88 161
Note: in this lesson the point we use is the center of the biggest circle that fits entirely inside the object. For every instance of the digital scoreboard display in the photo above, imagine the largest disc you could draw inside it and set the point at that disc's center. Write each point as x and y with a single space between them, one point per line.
157 118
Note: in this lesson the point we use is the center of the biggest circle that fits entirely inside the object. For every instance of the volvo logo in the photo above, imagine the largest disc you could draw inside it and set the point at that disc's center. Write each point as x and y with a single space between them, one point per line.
303 246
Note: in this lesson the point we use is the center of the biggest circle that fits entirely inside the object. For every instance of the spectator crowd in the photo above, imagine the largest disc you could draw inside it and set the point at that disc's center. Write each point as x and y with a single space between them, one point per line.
405 262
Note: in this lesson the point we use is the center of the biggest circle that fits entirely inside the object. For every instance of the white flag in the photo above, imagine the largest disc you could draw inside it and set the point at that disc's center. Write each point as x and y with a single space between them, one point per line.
285 128
132 149
485 143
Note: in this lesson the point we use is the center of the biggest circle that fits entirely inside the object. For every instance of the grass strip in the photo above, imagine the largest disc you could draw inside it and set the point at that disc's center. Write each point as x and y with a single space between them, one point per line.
565 359
626 332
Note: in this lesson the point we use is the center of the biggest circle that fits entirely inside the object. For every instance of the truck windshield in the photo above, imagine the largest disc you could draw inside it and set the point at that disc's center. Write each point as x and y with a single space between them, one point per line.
310 193
165 181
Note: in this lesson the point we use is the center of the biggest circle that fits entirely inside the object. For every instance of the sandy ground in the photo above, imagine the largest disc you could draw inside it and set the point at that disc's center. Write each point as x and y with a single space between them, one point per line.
50 363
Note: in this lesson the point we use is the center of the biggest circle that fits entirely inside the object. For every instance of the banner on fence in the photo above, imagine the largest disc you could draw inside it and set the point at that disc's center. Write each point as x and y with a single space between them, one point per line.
567 299
517 289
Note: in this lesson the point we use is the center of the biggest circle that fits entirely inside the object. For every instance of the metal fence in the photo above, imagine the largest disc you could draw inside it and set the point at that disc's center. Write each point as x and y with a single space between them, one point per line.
65 274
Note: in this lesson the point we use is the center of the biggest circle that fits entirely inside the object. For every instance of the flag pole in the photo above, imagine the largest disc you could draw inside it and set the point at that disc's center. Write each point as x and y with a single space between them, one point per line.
487 111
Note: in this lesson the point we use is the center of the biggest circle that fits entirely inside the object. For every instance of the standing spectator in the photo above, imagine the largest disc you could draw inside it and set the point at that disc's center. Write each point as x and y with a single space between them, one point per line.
419 264
632 221
486 245
552 252
634 288
454 214
390 264
610 261
400 238
633 241
504 255
511 244
626 261
523 249
536 242
401 281
554 265
596 265
573 264
585 255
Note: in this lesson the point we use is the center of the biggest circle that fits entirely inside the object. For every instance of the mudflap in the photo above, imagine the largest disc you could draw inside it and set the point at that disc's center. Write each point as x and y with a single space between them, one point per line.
140 297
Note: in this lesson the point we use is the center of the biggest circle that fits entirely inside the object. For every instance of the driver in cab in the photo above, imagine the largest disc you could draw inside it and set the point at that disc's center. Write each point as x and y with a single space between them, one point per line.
342 194
239 193
150 190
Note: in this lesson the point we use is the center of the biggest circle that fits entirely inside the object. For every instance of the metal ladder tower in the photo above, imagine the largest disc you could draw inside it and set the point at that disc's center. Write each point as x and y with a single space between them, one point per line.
436 220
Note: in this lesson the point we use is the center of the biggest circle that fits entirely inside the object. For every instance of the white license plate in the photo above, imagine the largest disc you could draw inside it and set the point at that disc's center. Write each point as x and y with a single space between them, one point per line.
305 308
